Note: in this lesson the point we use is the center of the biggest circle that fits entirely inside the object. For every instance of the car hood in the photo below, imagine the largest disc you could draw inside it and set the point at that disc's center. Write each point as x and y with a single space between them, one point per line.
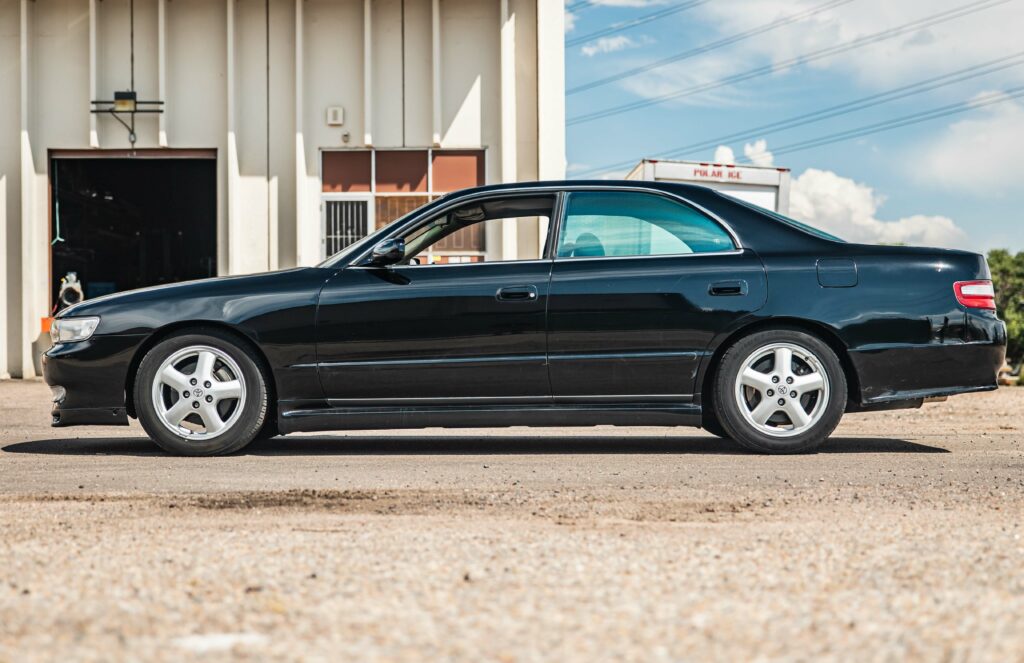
211 287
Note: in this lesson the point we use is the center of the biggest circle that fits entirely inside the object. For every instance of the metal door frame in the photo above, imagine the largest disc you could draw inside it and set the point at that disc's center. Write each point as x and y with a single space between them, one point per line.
325 198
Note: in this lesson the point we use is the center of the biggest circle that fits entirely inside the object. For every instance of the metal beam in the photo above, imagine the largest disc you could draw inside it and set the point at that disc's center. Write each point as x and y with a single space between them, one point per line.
29 246
161 65
509 227
94 138
233 232
367 74
435 78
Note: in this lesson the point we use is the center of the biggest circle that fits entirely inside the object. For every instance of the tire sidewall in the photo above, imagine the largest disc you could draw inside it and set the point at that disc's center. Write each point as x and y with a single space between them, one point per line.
733 421
249 422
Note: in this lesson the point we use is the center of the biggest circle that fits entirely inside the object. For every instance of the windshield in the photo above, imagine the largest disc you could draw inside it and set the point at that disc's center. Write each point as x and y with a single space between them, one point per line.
799 225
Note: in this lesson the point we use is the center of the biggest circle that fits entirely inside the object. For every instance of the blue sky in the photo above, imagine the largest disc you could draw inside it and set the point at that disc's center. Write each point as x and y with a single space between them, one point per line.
951 181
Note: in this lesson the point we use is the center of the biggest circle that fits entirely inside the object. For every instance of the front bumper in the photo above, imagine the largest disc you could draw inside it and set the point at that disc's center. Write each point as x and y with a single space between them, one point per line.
911 372
89 378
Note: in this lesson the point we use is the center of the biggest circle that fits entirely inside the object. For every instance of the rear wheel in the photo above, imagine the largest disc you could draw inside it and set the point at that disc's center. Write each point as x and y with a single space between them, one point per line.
201 394
780 391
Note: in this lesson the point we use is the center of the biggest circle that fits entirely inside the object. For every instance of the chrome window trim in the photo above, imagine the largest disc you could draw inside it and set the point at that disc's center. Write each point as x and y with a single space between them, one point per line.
457 264
663 256
554 189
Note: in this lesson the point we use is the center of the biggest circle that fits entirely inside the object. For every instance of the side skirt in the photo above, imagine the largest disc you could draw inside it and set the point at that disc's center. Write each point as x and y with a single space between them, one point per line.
293 420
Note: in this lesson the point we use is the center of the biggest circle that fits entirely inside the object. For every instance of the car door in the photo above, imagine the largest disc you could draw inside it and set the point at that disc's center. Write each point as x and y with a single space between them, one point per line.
439 332
641 284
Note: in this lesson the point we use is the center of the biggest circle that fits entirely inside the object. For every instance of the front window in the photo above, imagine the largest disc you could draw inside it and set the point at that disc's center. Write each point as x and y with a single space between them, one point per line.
619 223
496 230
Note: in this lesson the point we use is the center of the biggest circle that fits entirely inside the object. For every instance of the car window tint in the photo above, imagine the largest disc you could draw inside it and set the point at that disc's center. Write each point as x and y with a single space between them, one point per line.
610 223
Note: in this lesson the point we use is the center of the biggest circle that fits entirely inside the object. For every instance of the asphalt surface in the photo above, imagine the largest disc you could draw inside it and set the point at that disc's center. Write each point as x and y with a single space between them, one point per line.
902 539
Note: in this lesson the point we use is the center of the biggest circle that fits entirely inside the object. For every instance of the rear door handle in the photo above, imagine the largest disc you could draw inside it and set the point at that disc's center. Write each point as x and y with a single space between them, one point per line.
518 293
728 288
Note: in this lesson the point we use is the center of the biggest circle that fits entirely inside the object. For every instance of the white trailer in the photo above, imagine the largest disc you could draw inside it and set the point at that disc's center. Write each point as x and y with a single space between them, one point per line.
765 186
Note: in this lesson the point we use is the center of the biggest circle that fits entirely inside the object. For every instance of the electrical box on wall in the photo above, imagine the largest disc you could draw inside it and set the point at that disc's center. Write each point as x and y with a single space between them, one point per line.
335 116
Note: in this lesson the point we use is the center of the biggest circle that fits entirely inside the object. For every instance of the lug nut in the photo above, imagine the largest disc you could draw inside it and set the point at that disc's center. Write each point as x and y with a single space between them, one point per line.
788 381
209 399
775 378
193 382
207 384
771 392
792 394
195 405
184 394
782 401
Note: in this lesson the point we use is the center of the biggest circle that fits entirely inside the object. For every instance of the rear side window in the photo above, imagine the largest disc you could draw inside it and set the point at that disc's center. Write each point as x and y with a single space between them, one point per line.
613 223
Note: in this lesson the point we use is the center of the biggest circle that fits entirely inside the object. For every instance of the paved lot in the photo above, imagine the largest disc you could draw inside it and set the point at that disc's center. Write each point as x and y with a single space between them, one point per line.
901 540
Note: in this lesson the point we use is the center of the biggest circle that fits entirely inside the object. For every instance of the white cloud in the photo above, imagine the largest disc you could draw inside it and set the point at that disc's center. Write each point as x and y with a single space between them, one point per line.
758 154
943 47
607 45
570 21
724 154
849 209
981 154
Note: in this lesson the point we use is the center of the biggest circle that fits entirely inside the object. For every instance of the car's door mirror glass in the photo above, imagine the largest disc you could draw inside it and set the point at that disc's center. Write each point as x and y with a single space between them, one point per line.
388 252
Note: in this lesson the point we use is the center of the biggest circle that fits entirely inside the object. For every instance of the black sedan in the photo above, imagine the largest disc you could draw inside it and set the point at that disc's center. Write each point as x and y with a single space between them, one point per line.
621 303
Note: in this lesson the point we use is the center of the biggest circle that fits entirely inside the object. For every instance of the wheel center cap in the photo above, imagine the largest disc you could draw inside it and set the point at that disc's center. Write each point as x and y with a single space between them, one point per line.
782 390
198 393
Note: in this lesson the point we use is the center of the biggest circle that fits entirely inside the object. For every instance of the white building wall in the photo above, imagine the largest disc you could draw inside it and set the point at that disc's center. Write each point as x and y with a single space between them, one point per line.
261 108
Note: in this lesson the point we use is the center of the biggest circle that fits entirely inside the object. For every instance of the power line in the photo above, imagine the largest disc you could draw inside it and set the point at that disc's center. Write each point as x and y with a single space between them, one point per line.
890 33
901 92
640 20
907 120
700 50
582 4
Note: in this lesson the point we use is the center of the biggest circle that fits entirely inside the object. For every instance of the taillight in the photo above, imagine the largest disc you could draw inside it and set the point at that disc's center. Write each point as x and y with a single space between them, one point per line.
976 294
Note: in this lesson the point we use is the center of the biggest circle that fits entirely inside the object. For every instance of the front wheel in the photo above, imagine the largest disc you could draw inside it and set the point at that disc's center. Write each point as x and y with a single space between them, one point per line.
780 391
201 394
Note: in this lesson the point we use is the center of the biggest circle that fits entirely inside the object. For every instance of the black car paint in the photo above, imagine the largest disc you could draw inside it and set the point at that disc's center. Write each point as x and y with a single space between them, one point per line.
604 340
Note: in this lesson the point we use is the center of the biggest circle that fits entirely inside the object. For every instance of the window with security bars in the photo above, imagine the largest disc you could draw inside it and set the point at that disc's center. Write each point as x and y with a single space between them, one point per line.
345 222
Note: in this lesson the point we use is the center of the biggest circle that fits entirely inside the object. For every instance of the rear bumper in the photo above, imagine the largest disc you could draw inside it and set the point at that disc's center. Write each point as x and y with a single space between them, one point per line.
88 380
911 372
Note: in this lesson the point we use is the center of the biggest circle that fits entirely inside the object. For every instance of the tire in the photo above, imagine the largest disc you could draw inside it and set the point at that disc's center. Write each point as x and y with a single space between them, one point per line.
710 422
752 391
269 431
226 407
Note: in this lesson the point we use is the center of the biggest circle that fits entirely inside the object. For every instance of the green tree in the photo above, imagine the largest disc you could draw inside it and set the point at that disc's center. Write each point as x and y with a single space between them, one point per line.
1008 278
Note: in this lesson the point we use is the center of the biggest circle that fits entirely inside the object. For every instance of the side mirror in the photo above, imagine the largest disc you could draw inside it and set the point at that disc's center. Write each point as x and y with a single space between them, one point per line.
388 252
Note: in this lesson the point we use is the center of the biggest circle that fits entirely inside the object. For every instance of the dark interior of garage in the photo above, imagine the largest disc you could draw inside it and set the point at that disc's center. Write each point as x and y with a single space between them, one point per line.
124 223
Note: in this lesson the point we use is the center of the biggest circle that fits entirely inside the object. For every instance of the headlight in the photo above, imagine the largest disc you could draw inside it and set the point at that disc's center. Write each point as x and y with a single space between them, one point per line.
70 330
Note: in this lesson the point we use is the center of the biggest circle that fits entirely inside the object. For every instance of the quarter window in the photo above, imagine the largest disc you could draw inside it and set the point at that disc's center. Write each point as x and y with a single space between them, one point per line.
609 223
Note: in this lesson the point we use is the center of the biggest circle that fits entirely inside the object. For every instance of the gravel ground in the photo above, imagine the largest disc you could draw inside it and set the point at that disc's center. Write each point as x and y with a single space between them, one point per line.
901 540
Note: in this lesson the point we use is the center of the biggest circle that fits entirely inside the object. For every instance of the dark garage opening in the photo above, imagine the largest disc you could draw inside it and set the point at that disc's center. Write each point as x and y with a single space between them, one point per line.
124 223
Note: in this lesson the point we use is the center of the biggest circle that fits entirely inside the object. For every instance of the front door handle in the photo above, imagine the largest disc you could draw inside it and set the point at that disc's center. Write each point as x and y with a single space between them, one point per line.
517 293
728 288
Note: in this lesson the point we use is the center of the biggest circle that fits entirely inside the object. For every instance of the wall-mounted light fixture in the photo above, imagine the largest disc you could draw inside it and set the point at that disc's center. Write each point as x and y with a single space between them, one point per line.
126 102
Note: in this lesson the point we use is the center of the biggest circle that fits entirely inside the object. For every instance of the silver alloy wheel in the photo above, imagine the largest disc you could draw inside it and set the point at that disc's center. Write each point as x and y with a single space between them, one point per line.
782 389
198 392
